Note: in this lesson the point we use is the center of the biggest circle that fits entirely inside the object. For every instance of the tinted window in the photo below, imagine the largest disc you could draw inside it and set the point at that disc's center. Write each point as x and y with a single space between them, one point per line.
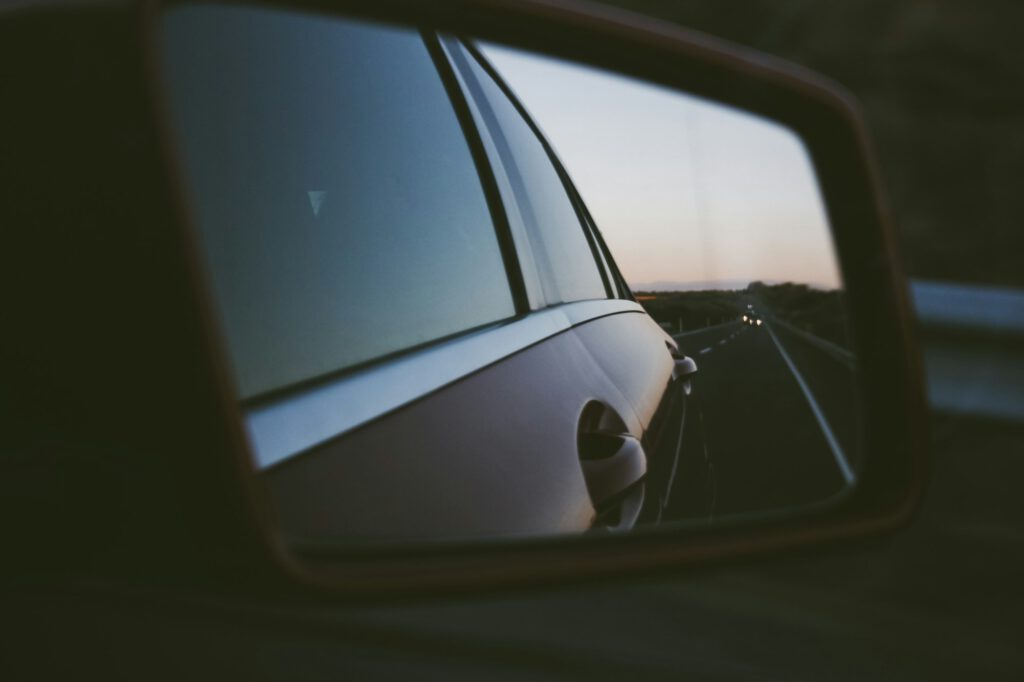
568 270
339 207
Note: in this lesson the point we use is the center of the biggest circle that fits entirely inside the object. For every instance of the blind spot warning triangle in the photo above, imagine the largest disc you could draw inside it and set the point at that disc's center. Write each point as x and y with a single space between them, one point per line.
316 200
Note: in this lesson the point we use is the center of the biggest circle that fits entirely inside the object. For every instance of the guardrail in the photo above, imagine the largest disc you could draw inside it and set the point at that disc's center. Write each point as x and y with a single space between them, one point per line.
975 309
973 343
694 332
838 352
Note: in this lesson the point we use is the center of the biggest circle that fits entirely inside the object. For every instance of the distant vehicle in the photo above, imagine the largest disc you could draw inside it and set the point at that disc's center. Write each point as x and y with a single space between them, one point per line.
752 318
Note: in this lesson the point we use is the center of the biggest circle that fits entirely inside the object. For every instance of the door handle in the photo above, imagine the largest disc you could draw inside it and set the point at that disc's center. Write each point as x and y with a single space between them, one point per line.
612 464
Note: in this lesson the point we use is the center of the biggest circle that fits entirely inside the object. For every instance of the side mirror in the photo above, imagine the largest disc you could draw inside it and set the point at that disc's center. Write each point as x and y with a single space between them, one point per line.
685 367
398 336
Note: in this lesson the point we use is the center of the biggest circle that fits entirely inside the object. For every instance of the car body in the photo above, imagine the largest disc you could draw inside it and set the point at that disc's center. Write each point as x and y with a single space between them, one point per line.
485 362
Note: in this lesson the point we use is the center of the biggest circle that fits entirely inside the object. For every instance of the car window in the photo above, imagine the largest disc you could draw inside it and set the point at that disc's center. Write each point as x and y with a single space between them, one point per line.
565 259
337 202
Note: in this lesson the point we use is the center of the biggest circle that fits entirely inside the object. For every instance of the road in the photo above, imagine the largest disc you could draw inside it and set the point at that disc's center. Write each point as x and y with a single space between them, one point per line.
779 417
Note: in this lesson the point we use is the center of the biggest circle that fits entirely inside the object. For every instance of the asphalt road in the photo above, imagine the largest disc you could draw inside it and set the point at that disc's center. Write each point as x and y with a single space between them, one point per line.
779 418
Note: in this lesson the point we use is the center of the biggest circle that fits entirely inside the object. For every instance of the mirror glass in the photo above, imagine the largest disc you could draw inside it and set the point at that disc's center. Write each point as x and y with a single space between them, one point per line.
467 292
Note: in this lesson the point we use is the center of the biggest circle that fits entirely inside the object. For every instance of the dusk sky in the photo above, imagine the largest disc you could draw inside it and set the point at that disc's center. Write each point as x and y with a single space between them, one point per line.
684 190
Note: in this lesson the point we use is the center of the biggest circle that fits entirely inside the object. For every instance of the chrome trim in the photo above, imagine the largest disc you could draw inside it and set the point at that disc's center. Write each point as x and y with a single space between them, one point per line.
296 423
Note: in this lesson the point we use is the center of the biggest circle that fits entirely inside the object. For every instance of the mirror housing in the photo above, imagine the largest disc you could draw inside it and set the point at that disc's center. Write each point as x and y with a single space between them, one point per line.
685 367
149 462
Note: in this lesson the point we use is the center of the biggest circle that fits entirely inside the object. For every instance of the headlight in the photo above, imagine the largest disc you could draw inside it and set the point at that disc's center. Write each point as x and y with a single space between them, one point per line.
744 318
759 323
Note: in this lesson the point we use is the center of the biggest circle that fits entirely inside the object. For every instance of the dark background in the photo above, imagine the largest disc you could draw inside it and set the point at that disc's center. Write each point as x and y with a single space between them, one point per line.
942 87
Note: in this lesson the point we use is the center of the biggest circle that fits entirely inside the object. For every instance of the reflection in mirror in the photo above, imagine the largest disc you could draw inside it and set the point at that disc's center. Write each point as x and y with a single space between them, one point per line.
437 331
717 224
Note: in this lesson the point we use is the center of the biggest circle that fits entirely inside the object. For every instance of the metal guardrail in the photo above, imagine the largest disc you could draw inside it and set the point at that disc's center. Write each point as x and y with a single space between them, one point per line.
977 309
841 354
973 347
694 332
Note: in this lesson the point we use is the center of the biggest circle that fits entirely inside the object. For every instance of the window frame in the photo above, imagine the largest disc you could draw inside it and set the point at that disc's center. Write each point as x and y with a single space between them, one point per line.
484 169
295 419
615 284
572 195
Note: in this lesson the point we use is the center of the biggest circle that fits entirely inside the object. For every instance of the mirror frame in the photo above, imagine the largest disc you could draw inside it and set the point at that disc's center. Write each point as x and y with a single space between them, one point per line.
822 115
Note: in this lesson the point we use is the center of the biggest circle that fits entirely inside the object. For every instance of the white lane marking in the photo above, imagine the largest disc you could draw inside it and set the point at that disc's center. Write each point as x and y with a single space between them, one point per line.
837 450
704 351
722 342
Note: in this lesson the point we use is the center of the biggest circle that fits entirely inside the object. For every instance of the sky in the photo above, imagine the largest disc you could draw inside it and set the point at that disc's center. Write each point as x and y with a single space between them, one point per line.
687 193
